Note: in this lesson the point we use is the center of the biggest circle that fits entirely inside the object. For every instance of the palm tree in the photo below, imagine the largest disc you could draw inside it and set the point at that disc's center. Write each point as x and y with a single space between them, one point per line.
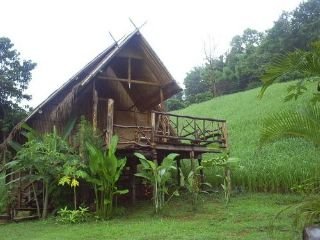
304 123
306 63
300 123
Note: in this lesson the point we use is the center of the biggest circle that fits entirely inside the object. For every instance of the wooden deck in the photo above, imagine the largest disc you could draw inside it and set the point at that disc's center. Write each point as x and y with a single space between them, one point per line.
176 133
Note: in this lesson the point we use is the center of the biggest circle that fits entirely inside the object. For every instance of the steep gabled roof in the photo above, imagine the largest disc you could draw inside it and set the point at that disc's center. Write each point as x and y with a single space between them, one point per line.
61 97
86 74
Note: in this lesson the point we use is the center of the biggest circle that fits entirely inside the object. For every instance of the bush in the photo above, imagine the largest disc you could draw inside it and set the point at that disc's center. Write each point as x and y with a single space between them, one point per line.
175 104
73 216
200 97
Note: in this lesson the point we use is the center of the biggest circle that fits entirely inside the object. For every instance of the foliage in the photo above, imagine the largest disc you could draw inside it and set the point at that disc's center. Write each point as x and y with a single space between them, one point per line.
66 215
158 176
303 123
73 170
15 75
174 104
103 173
276 167
3 194
241 67
86 134
194 82
193 184
43 156
225 162
307 63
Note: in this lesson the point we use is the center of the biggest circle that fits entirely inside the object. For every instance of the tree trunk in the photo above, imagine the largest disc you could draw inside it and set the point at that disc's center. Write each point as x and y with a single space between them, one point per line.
75 198
36 199
45 201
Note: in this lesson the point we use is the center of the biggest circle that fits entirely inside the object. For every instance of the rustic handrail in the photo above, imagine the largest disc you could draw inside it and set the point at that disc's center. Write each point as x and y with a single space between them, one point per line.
190 117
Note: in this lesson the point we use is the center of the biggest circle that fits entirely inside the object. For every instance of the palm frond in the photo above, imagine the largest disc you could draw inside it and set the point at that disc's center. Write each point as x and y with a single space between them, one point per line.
293 124
305 62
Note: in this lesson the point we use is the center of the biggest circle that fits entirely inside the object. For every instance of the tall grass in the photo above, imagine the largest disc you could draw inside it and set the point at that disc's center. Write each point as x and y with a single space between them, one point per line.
273 168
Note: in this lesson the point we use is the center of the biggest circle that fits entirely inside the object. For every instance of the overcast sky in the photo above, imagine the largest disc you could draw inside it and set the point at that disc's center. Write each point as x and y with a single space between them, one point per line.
61 36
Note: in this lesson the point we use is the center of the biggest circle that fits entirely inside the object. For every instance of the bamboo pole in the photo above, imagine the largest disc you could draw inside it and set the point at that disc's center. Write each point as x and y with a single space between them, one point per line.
110 114
95 109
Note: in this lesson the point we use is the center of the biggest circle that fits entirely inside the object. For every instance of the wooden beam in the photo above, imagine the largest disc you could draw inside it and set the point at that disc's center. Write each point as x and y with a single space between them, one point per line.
109 131
193 167
95 109
153 126
131 81
161 99
129 72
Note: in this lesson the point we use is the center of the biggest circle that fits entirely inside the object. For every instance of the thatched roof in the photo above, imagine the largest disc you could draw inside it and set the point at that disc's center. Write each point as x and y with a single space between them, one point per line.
58 104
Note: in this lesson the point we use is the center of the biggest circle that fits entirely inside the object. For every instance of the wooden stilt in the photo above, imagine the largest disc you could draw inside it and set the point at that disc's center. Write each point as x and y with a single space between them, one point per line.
133 182
155 156
201 170
95 108
109 132
193 167
178 171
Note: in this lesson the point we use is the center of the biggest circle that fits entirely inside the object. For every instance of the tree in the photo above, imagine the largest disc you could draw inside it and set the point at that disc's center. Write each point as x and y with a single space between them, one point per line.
15 75
43 156
194 83
303 124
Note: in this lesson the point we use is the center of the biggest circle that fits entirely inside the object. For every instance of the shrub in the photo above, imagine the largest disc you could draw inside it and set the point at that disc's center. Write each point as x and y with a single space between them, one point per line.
66 215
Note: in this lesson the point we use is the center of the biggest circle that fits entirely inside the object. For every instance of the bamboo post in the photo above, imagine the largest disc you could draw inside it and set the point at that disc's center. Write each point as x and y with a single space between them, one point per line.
133 182
95 109
225 134
161 99
178 171
129 72
201 170
19 190
153 127
193 167
110 114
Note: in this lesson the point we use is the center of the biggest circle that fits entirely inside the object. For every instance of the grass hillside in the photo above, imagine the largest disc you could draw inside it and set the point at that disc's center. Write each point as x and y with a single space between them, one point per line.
275 167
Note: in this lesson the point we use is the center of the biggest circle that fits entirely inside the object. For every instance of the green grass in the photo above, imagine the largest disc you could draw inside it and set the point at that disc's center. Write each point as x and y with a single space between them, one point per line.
248 217
275 167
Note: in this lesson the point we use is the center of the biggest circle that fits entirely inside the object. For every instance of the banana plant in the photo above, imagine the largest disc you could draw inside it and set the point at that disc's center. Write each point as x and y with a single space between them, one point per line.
158 176
193 184
226 162
104 172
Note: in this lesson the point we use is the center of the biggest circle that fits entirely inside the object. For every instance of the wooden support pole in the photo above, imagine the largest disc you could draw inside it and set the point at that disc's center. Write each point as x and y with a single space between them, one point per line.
193 166
153 127
19 190
155 156
110 114
179 171
95 109
161 99
201 170
129 72
133 169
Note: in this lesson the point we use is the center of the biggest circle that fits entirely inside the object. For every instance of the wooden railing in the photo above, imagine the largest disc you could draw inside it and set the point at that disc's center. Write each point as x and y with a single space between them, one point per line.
173 128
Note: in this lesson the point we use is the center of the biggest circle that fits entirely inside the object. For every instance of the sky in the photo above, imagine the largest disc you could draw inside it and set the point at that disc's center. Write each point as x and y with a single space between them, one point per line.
61 36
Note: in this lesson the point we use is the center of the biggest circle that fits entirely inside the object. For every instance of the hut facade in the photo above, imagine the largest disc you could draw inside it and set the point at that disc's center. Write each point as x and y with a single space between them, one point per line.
121 92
